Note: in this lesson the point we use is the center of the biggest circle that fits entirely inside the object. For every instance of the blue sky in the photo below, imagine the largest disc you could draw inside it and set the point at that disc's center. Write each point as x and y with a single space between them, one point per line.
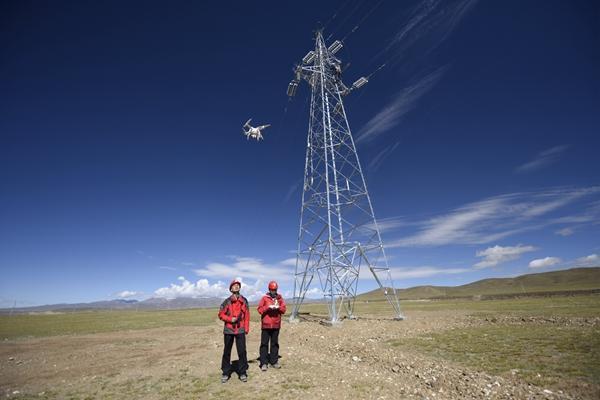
124 171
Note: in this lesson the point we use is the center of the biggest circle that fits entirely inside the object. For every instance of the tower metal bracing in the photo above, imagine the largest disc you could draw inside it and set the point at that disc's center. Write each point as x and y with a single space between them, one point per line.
338 231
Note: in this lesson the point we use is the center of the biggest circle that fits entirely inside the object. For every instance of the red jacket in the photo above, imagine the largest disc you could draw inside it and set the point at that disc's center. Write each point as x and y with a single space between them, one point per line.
271 318
235 307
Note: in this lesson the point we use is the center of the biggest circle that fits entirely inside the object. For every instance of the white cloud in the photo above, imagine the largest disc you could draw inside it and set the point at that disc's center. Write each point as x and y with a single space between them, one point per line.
544 262
185 288
591 260
543 159
428 25
167 267
290 262
202 288
454 227
389 224
565 232
424 272
404 102
126 294
312 293
247 267
188 264
493 256
399 273
376 161
498 217
291 190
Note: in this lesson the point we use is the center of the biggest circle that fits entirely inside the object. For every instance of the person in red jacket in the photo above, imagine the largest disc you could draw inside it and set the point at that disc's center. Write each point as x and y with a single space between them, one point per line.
235 314
270 308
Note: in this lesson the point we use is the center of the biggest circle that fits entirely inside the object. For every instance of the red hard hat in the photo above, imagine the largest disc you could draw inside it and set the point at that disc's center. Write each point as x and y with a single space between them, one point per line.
233 282
272 285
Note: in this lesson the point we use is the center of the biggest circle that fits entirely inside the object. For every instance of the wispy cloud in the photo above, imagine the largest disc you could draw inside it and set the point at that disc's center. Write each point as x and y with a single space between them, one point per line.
417 20
498 217
543 159
493 256
402 273
292 189
376 162
565 231
289 262
588 261
143 254
312 293
428 25
390 224
167 267
405 101
248 268
544 262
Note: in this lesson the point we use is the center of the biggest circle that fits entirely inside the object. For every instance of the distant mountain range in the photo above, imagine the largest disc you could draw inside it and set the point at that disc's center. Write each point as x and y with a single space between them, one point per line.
153 303
571 280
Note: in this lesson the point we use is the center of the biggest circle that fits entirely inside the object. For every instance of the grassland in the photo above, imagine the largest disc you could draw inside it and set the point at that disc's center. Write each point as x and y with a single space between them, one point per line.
76 323
544 340
540 353
566 306
51 324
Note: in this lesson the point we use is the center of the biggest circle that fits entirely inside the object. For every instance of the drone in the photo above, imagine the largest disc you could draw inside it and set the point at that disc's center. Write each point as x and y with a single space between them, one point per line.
254 132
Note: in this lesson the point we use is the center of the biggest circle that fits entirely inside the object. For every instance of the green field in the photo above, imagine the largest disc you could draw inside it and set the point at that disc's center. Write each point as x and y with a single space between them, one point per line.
565 306
543 340
542 354
51 324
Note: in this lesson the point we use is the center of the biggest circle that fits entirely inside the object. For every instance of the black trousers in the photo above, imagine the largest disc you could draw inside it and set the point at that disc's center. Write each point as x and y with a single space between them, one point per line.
266 356
240 345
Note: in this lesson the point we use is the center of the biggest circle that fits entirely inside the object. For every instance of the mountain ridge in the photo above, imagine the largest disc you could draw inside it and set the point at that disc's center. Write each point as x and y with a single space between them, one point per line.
569 280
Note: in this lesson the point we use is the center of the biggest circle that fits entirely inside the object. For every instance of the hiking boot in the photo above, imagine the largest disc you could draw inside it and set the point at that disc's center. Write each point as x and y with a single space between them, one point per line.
224 378
276 365
263 367
244 378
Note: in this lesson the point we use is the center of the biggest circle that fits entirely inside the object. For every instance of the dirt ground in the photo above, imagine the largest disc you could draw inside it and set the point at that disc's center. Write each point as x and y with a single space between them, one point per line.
354 360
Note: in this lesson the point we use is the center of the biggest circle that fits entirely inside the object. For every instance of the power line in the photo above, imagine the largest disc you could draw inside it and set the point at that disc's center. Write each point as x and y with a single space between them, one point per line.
335 14
367 15
346 19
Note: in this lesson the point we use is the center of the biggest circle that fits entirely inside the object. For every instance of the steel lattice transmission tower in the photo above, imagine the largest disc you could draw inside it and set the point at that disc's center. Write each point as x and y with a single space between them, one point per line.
338 231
